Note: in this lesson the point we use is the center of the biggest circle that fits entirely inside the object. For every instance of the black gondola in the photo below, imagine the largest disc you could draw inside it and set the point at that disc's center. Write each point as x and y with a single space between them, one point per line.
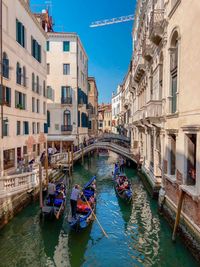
122 185
85 208
55 210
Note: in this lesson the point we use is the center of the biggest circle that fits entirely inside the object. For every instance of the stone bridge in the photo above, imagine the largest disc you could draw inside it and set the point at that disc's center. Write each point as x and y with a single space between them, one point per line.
61 159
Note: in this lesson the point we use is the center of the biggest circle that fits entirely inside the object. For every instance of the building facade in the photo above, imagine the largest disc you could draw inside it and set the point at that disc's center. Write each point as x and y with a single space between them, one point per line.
67 85
105 118
116 109
23 86
164 104
92 107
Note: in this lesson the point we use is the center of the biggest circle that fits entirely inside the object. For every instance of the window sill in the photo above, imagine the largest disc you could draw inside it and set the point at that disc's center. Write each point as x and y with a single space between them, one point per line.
191 190
172 115
171 178
174 8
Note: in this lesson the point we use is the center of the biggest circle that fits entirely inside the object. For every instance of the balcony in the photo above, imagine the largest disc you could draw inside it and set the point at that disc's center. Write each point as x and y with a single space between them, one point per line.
156 26
139 69
154 109
147 49
67 129
139 115
66 100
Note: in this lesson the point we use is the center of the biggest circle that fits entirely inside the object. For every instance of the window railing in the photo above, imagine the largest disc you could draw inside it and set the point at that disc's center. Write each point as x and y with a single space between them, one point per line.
66 100
66 128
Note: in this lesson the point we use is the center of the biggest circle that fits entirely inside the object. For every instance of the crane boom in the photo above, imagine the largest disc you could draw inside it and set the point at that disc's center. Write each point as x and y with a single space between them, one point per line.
111 21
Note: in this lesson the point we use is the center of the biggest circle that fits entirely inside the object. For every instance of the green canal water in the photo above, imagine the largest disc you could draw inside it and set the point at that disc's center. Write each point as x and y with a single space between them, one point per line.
138 236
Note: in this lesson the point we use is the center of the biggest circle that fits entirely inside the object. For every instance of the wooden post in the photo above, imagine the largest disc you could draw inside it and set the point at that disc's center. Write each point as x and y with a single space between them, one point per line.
82 154
40 183
69 161
72 155
178 214
46 168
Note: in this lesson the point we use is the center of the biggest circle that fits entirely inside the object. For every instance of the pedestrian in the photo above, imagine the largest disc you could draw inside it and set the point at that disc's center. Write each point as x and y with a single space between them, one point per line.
73 199
30 165
51 192
21 165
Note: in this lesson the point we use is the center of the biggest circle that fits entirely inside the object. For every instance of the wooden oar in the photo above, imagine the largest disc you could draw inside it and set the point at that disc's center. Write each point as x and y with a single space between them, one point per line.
58 213
95 217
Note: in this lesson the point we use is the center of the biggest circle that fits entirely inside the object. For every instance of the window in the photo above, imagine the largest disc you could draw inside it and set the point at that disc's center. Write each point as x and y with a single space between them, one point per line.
26 127
33 82
66 46
20 100
38 127
24 76
48 118
67 117
44 89
66 95
172 154
66 69
18 127
33 128
38 85
34 148
20 33
18 73
35 49
191 158
47 45
9 158
33 104
44 108
174 71
45 128
84 120
38 106
50 93
5 66
48 68
25 152
5 127
5 96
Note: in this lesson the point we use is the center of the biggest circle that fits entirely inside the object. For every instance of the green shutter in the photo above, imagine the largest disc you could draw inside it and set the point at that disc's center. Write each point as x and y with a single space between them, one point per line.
47 46
66 46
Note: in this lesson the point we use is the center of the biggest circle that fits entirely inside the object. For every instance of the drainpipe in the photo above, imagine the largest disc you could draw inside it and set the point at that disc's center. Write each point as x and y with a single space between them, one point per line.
1 62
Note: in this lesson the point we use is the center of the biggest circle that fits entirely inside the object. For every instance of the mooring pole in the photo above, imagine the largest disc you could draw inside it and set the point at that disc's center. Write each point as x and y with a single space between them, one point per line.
72 153
178 214
82 154
69 161
40 183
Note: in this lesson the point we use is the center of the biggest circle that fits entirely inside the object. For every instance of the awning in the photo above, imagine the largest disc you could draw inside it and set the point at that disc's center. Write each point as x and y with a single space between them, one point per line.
69 138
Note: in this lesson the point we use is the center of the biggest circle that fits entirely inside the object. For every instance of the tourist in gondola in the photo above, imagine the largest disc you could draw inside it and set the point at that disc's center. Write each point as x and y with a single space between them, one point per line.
73 199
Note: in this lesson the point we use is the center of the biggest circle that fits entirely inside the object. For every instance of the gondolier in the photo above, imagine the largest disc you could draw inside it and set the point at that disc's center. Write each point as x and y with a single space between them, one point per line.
73 199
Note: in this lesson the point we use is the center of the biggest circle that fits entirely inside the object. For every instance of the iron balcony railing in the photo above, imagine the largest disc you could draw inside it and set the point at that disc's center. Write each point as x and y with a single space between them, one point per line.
66 128
66 100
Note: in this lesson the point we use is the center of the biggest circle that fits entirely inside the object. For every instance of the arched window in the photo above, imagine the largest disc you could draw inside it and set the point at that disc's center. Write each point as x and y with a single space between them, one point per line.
24 76
18 74
67 117
173 71
5 66
48 118
33 82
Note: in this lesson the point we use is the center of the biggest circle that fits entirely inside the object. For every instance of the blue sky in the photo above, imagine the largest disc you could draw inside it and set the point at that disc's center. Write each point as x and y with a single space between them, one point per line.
109 48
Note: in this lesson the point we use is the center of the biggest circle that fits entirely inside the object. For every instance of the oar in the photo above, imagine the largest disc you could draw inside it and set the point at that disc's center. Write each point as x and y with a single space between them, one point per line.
58 213
95 217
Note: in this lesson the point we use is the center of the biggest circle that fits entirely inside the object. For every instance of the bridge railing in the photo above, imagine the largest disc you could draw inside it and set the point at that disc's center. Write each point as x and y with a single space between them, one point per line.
113 136
18 183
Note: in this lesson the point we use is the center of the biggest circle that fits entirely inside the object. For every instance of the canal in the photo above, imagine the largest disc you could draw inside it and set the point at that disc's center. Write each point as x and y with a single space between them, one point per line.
138 236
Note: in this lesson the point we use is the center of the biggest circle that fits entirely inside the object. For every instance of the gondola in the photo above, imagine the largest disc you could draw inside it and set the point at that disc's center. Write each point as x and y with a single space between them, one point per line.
56 209
122 185
85 208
